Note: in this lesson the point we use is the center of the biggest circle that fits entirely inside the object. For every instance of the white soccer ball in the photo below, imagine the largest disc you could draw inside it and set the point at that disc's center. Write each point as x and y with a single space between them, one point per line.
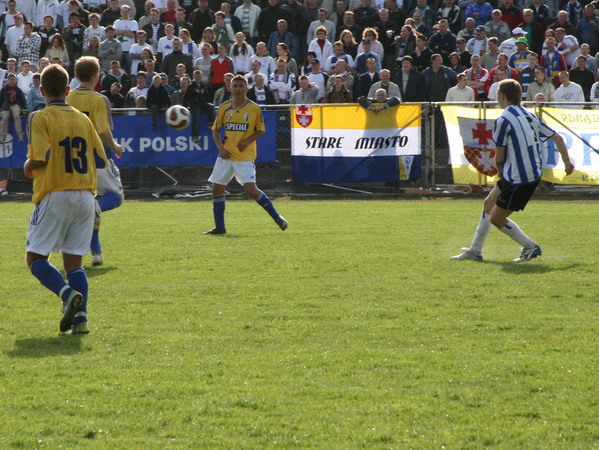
178 117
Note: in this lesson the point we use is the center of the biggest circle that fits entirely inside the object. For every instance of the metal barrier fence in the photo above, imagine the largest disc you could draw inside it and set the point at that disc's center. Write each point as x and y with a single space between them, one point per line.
435 171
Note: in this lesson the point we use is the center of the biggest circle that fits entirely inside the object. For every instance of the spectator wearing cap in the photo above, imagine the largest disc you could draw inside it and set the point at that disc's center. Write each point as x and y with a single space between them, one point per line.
497 27
360 61
509 45
73 37
463 52
480 11
553 61
510 13
318 78
469 30
519 59
478 44
443 42
535 33
13 34
583 76
588 28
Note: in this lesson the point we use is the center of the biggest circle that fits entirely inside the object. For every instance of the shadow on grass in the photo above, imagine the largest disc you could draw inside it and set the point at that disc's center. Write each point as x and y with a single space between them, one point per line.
524 268
46 346
98 271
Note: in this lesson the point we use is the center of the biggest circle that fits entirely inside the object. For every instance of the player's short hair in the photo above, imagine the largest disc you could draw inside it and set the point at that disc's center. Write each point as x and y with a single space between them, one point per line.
55 80
511 90
86 67
239 78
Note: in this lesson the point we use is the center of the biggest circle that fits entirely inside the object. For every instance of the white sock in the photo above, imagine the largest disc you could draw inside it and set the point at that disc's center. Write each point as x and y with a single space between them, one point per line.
513 230
481 233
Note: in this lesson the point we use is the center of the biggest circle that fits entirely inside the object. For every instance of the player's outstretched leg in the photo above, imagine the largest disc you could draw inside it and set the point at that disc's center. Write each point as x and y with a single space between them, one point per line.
78 280
529 249
263 200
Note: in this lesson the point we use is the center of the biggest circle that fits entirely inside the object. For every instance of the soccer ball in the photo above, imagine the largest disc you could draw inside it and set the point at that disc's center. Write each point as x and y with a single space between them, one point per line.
178 117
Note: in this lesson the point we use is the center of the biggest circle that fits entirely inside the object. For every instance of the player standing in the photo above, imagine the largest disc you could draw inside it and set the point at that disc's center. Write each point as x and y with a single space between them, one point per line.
518 136
243 123
64 151
97 108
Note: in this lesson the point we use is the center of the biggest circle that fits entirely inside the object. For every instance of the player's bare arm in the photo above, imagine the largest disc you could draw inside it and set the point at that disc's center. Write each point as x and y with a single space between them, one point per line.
31 165
247 141
222 151
499 158
563 151
108 140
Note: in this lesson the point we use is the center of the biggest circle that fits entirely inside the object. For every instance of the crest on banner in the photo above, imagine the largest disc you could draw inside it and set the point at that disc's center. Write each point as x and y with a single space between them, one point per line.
479 147
303 115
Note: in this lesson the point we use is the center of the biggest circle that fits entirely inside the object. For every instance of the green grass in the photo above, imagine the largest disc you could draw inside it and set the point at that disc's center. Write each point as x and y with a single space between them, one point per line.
352 329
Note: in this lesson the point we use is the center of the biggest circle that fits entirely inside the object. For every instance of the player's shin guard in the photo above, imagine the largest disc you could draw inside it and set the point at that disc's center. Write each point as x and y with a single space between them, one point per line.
110 200
513 230
218 209
49 276
265 202
78 280
481 233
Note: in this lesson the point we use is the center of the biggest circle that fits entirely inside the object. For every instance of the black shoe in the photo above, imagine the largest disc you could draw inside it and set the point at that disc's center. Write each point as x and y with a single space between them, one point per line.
281 222
69 307
215 231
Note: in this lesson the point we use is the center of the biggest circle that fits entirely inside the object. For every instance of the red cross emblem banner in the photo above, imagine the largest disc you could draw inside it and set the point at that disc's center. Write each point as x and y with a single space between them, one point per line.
472 149
350 144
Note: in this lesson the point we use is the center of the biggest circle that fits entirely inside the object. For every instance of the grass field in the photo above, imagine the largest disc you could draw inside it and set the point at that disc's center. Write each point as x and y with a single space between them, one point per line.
351 329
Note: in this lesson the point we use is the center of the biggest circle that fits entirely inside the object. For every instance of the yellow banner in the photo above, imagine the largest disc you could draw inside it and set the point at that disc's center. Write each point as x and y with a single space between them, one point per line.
472 150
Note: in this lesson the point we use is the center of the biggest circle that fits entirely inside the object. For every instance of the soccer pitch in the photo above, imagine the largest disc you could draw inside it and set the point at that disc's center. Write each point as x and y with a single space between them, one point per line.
350 329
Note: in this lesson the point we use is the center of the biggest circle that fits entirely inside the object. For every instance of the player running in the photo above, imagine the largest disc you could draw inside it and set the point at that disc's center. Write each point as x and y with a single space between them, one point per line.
97 107
243 123
518 136
64 151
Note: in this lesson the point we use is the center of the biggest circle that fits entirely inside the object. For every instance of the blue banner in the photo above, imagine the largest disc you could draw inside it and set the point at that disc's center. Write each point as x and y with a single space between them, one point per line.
164 147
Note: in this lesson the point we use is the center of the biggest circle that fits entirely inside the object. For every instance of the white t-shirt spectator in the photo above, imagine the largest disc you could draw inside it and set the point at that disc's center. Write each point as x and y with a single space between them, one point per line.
165 46
25 82
126 25
571 94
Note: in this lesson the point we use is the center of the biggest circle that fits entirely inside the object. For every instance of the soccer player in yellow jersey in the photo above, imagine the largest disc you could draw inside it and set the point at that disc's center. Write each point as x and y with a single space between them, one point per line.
64 151
97 108
243 124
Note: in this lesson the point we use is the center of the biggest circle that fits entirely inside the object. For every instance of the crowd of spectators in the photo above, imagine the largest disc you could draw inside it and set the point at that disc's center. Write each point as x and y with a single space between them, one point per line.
156 53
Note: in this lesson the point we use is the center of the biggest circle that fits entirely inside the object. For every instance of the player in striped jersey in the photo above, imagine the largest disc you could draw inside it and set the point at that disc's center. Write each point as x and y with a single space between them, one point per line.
97 107
64 151
518 136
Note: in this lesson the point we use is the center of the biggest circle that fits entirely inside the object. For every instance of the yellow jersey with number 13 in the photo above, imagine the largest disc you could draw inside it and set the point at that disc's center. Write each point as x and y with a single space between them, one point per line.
66 139
239 123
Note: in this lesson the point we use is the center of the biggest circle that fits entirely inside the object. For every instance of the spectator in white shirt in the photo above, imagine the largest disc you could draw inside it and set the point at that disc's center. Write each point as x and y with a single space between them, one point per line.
460 92
135 52
568 92
94 29
165 43
241 53
125 29
13 34
25 77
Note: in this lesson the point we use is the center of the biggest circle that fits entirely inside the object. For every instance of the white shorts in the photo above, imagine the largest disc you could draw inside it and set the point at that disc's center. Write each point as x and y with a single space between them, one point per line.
62 221
109 179
224 170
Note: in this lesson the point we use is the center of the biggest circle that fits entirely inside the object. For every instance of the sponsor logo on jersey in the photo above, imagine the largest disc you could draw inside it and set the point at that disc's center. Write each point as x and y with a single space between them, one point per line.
235 126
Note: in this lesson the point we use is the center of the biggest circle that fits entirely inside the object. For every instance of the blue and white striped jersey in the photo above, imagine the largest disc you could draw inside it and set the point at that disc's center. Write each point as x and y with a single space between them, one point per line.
521 133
